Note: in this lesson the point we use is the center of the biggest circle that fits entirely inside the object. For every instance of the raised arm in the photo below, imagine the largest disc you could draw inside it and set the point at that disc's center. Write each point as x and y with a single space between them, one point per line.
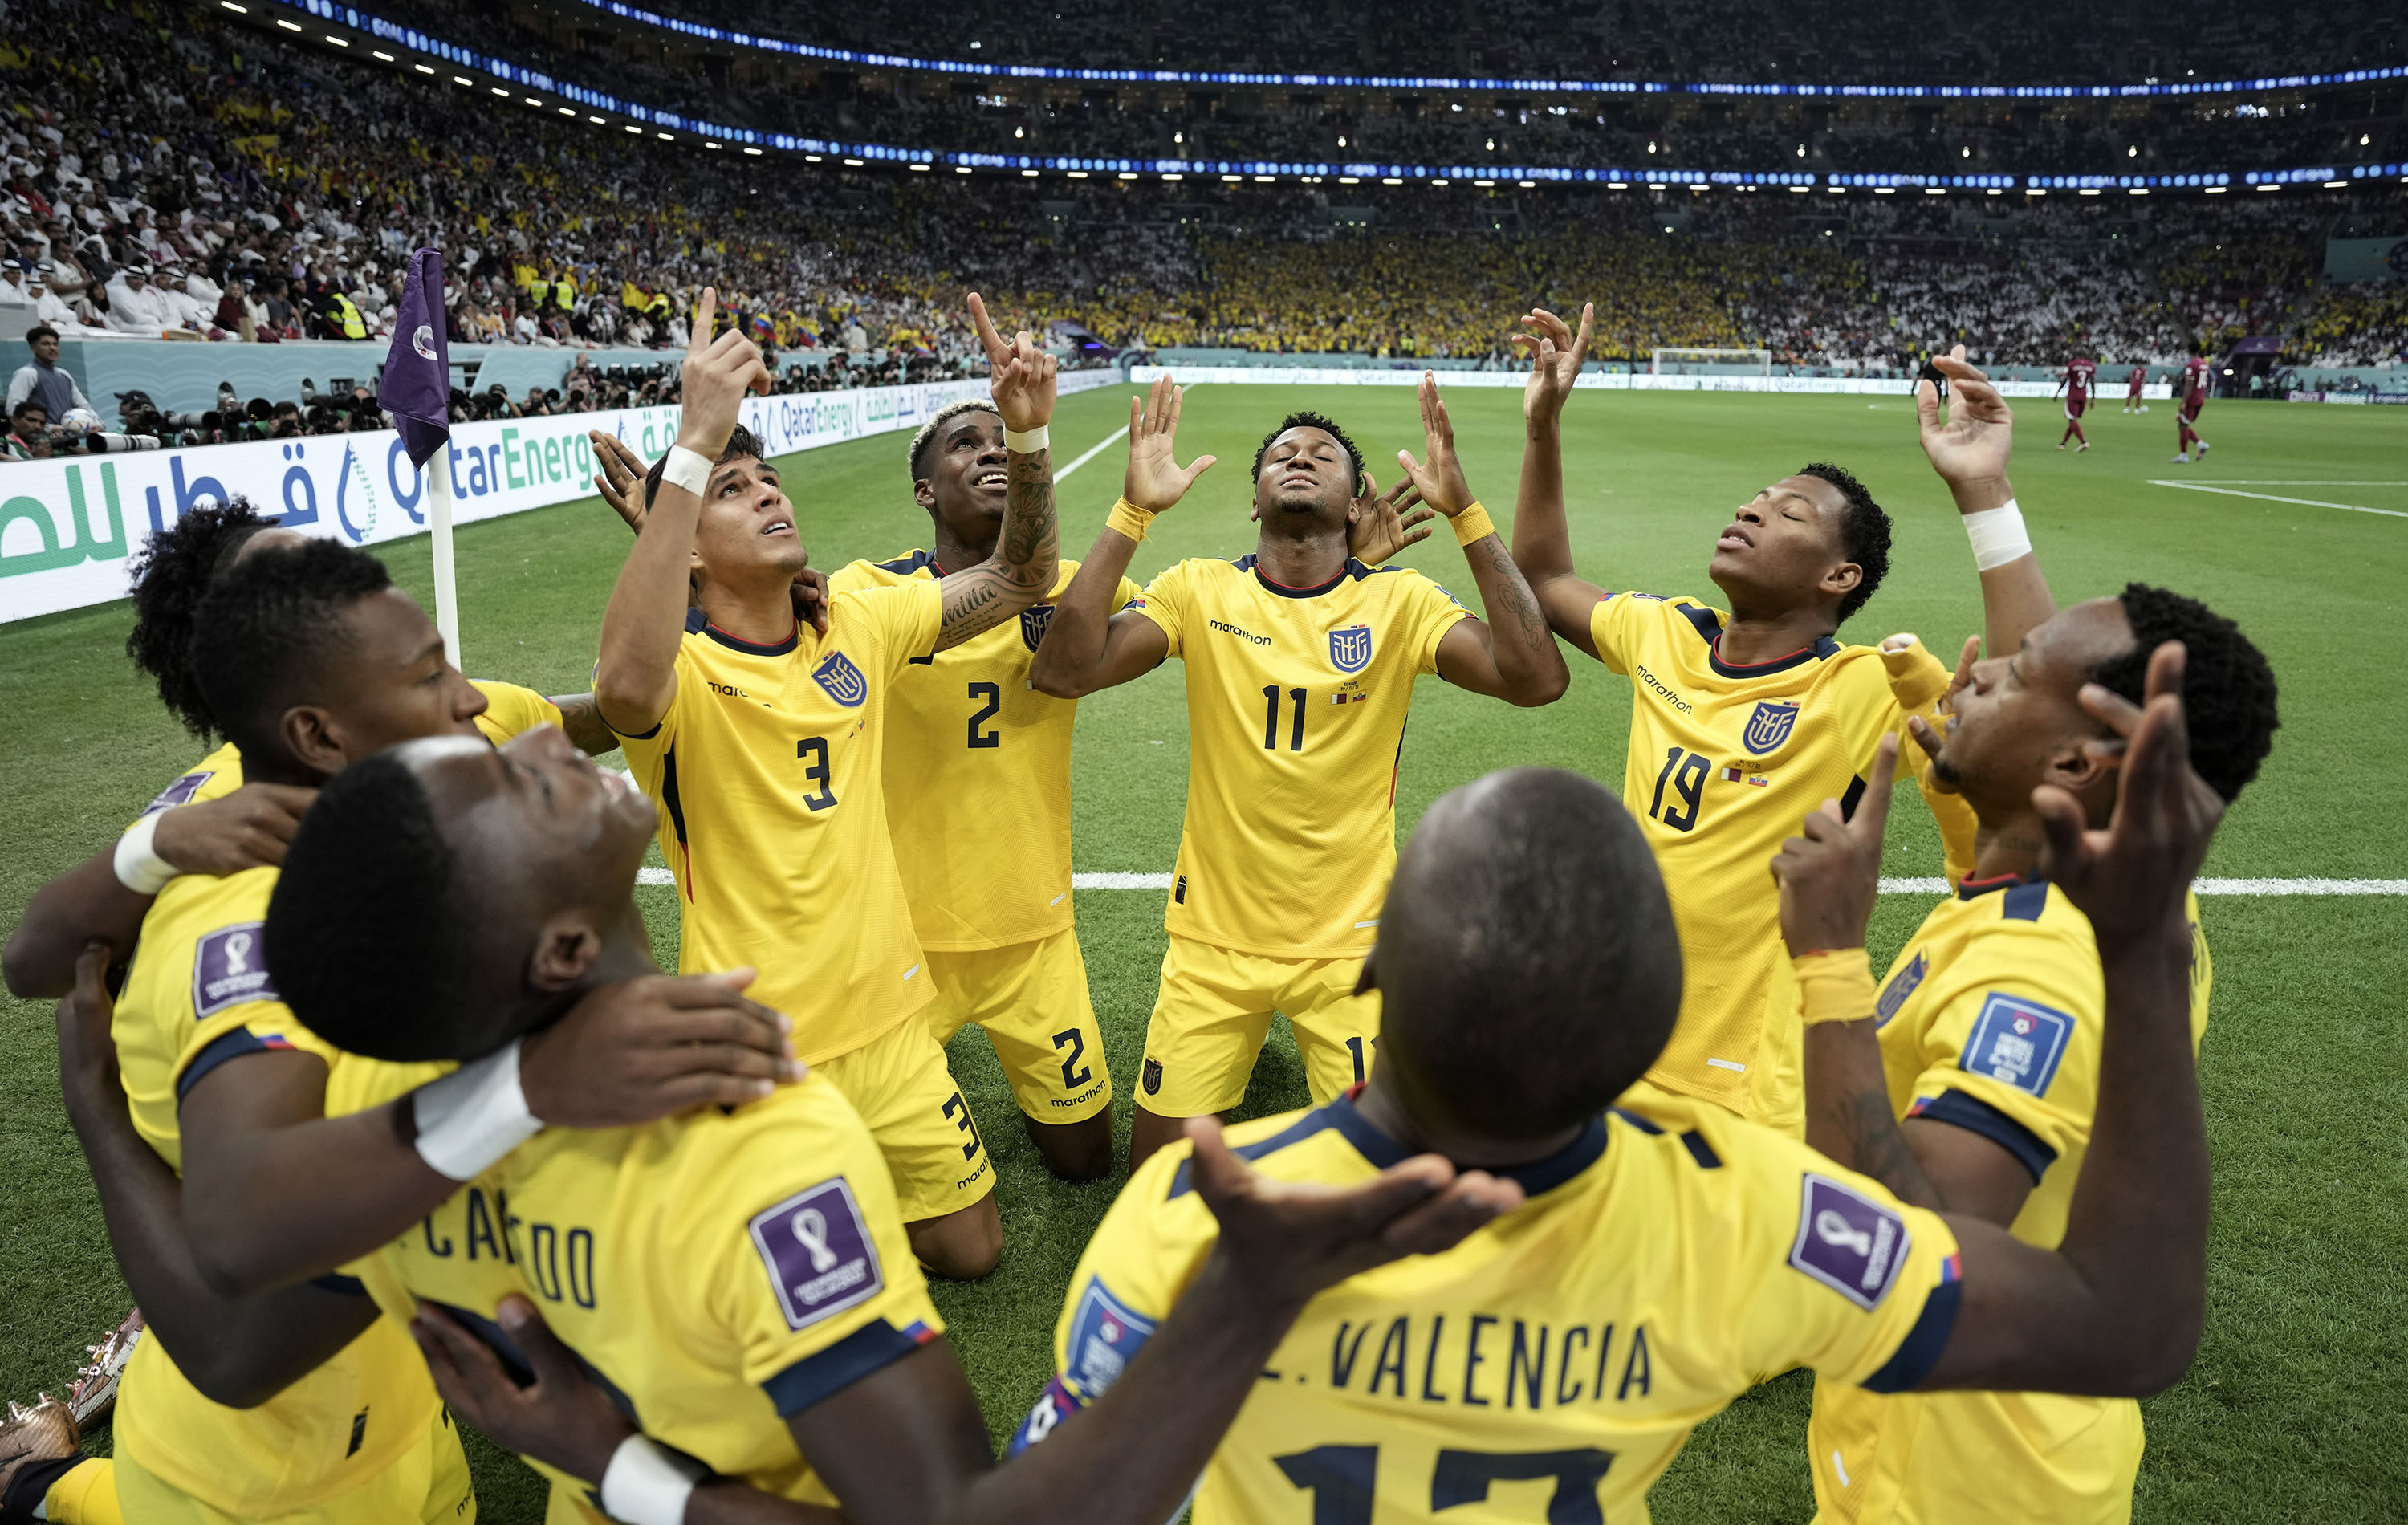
636 680
1026 548
1513 658
1970 453
1088 646
1542 541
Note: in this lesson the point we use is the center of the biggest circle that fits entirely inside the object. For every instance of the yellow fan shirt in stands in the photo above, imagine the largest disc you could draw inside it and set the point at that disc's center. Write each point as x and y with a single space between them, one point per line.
978 766
1991 1020
1551 1364
1296 700
768 771
1724 763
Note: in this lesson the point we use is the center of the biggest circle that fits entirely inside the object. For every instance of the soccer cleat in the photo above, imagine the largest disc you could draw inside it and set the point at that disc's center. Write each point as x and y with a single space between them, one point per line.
2202 450
92 1398
2182 460
44 1432
2079 448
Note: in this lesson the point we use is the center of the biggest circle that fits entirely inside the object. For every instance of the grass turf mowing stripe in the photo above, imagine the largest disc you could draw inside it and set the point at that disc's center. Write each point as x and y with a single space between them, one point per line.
1888 886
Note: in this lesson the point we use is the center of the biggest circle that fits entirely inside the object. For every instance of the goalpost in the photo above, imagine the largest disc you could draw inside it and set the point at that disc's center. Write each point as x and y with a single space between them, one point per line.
1670 360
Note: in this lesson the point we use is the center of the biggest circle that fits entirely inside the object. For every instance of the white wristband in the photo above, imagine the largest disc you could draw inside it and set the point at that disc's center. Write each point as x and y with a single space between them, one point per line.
1998 536
687 468
1030 443
139 867
647 1484
470 1120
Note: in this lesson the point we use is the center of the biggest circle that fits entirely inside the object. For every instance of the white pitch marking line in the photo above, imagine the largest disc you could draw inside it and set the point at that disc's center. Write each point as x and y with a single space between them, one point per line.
2276 497
1888 886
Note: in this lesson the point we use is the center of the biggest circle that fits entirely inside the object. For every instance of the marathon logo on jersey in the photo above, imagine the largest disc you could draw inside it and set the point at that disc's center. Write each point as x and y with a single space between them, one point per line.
843 681
1349 649
818 1252
1769 726
1901 985
1033 623
2018 1042
1848 1241
230 966
178 793
1105 1336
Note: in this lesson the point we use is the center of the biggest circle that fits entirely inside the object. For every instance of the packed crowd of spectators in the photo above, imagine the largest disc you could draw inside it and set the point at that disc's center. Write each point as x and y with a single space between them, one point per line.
170 174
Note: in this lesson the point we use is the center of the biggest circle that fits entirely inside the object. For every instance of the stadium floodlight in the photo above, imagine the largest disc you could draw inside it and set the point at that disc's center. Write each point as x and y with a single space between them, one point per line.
339 41
1391 180
240 11
381 55
597 122
755 152
1675 360
1232 178
422 69
916 167
289 26
1077 174
1025 174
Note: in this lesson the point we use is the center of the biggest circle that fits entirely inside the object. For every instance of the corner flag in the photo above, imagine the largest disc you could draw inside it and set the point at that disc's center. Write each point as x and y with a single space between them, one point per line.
417 391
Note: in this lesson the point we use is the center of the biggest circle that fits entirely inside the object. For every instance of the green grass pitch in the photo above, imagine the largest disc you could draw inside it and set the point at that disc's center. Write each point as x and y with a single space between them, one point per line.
2291 1411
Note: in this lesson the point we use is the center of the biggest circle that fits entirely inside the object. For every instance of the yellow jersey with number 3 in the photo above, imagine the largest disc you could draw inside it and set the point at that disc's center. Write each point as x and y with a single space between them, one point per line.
1296 700
982 761
1724 763
1553 1364
768 772
1991 1020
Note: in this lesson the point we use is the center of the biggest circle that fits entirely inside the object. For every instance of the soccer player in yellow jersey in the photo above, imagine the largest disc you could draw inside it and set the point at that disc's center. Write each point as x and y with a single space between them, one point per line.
1550 1365
1300 663
740 1282
1971 1084
764 744
1743 718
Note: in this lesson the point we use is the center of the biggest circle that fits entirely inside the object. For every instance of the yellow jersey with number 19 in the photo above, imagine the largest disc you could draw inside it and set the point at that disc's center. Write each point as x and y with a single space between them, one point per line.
1296 700
981 763
768 771
1724 763
1991 1020
1553 1364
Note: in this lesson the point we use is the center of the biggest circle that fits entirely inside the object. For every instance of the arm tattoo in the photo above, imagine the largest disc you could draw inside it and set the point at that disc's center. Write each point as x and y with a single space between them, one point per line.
581 718
1878 1146
1028 520
1515 593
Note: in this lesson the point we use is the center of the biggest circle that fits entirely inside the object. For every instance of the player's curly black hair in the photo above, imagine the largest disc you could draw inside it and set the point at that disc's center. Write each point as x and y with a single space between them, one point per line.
2227 690
171 574
1864 533
265 623
742 445
927 432
366 935
1310 420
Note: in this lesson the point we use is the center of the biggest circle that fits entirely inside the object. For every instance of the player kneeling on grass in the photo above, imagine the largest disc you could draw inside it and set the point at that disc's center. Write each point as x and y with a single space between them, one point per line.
1553 1364
1971 1084
1300 662
740 1281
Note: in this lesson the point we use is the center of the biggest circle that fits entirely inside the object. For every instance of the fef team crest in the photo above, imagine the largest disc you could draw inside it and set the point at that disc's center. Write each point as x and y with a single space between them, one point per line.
1032 625
843 681
1349 649
1769 726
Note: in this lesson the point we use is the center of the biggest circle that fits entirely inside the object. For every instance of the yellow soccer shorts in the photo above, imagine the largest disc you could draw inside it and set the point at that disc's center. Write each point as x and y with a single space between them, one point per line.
1032 1000
1214 1009
427 1484
898 1083
85 1494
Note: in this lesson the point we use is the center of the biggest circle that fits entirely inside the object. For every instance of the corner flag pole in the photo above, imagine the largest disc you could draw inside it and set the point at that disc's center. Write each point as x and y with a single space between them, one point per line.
417 391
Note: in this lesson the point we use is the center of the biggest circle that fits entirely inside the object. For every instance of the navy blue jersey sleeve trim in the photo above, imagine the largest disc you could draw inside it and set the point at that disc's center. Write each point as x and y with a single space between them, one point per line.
1975 1116
230 1045
1920 1350
1642 1124
695 620
2026 902
1703 619
1700 1151
907 565
340 1285
867 1349
1184 1180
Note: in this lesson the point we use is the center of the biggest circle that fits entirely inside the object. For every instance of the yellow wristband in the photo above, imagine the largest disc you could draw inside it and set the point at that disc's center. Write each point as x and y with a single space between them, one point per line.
1129 519
1835 985
1472 524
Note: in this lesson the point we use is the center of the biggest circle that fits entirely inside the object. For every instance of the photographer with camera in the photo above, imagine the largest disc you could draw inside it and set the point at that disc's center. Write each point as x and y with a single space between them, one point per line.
29 433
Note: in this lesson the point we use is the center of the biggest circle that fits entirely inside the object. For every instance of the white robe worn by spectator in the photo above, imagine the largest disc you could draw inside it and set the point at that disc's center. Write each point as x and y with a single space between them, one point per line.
142 313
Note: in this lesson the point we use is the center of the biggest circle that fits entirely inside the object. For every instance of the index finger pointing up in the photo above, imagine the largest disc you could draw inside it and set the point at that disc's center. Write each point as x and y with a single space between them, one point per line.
987 336
706 317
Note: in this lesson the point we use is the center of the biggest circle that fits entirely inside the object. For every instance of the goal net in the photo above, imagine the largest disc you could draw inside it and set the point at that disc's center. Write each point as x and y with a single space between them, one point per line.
1668 361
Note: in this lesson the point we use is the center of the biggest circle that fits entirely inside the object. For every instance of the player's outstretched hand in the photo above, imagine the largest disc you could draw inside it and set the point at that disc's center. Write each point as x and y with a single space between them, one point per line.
620 480
1972 448
248 828
2131 878
1831 873
563 1418
1155 479
714 380
1926 735
1288 1239
1023 375
1557 355
1442 482
654 1047
1378 526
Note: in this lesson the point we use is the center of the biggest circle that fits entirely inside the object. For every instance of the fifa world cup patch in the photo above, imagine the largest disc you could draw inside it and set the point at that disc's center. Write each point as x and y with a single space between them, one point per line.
817 1252
230 966
1848 1241
178 793
843 681
1105 1336
2017 1040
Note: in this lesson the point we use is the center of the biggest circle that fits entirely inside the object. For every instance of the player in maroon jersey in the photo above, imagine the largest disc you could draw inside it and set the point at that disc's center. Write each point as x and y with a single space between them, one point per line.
2080 375
2133 382
2192 390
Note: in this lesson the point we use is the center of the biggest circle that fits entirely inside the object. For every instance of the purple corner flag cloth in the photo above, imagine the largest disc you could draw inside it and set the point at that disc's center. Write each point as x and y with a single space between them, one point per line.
417 387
